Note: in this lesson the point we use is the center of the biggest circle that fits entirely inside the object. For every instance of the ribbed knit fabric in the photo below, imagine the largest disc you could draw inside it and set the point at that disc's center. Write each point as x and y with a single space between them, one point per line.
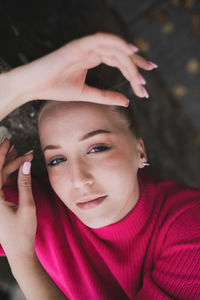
153 253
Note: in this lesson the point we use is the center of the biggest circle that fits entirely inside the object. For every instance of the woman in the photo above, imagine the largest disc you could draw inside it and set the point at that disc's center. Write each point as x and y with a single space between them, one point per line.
104 230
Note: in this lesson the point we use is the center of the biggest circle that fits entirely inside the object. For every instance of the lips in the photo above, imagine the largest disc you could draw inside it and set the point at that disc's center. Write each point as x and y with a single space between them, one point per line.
91 203
90 198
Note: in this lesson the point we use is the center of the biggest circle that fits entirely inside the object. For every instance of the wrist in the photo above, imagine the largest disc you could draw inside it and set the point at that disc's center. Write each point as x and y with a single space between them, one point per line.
16 82
22 262
12 92
33 280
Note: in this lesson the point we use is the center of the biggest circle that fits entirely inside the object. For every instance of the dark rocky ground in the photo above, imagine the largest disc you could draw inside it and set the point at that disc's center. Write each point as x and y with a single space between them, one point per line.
167 32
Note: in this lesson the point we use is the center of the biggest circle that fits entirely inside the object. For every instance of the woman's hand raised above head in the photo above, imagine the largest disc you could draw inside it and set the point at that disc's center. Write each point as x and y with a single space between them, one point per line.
61 74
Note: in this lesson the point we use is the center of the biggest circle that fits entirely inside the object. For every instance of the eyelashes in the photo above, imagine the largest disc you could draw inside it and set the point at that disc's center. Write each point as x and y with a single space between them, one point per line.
102 148
53 162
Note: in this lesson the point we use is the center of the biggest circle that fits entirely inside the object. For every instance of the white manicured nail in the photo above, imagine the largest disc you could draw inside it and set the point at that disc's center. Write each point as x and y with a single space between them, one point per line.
146 95
133 47
127 103
153 64
26 167
143 81
3 139
29 152
11 148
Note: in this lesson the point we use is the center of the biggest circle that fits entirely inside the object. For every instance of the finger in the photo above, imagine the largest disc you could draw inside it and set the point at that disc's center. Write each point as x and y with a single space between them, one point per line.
123 60
3 152
11 155
132 75
11 149
116 58
24 186
2 196
93 41
143 62
14 165
137 88
95 95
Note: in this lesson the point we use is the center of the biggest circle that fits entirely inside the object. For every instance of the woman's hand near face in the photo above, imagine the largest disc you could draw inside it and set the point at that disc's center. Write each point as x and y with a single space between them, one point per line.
61 74
17 222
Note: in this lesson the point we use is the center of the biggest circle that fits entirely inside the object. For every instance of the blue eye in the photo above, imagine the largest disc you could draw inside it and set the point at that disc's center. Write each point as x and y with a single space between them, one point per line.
96 149
53 162
100 149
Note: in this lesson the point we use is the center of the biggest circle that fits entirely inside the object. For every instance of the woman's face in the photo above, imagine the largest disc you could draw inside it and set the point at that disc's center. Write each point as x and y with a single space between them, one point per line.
91 153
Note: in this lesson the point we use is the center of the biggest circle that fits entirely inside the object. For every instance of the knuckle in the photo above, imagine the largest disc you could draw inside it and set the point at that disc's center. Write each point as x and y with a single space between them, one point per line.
99 34
103 94
25 183
102 36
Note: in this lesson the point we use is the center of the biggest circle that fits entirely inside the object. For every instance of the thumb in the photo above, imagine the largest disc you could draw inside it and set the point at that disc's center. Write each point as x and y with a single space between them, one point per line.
24 185
106 97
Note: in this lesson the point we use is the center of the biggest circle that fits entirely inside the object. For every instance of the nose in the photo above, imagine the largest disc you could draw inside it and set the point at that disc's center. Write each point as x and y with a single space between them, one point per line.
80 175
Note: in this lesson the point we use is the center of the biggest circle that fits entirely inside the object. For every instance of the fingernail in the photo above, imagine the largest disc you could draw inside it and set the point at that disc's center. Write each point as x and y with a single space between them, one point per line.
3 139
29 152
153 64
11 148
143 81
146 95
134 48
127 103
26 167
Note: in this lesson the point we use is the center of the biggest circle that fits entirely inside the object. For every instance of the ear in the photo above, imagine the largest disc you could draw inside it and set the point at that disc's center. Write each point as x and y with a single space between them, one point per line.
142 156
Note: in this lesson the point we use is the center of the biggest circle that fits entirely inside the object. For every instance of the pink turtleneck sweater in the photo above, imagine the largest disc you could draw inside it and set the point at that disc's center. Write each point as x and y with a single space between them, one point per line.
153 253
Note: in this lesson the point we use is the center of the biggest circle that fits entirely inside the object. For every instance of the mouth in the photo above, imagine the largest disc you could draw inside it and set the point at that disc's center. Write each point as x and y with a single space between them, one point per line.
91 203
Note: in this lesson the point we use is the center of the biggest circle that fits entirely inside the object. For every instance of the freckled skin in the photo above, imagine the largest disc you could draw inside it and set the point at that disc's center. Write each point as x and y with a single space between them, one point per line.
112 172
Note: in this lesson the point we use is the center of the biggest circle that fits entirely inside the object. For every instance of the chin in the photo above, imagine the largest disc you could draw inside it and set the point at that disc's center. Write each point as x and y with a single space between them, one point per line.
96 225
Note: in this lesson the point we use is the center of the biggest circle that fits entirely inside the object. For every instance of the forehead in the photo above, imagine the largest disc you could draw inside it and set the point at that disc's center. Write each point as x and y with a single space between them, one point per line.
75 112
77 118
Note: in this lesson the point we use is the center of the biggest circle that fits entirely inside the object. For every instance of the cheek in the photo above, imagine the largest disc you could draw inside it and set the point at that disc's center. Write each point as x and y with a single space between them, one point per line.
58 183
120 178
116 169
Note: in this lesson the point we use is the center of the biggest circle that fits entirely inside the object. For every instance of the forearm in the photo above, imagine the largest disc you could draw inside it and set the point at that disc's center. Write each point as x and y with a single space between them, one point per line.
34 280
12 91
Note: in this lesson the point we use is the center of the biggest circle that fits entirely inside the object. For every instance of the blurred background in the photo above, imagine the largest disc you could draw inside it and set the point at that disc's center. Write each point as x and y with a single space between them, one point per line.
167 32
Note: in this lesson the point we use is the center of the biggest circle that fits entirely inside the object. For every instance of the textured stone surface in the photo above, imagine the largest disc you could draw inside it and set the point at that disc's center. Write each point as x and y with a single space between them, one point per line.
171 31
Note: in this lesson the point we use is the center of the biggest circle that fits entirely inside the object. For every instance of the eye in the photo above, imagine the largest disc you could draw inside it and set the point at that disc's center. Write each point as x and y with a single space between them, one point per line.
54 163
95 149
99 149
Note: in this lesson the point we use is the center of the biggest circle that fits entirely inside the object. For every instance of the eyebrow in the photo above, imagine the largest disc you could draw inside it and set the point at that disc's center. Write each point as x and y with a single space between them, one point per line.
86 136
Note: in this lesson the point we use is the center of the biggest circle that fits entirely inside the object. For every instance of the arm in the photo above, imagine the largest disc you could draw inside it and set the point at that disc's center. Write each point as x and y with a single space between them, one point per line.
33 279
11 92
18 225
61 74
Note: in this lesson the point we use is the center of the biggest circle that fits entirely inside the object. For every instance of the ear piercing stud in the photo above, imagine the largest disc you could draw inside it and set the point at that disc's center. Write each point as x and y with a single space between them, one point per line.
145 164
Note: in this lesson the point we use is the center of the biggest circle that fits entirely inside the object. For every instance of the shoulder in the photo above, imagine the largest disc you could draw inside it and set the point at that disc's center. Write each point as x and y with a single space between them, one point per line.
175 216
171 195
172 199
178 219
